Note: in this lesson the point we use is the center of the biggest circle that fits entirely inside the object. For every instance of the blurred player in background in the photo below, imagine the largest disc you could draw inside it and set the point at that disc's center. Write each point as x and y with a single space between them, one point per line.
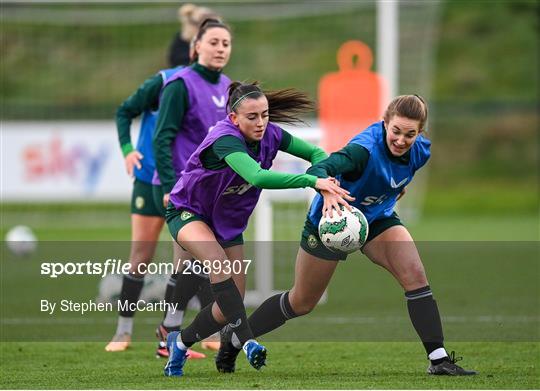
375 167
192 101
210 205
190 17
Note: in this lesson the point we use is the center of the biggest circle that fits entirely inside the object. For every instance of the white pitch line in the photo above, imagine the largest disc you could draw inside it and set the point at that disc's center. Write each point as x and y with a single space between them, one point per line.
446 319
317 319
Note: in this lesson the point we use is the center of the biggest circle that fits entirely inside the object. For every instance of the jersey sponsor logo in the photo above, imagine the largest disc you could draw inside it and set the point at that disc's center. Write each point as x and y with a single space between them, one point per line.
370 200
240 189
394 185
219 102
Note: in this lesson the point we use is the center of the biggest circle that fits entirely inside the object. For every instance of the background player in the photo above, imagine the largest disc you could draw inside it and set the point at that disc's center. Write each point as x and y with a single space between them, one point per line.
211 204
190 17
375 167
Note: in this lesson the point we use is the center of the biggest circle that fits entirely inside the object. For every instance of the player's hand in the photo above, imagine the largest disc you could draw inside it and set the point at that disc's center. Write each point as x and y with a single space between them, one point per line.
333 201
166 199
330 185
133 160
401 194
334 180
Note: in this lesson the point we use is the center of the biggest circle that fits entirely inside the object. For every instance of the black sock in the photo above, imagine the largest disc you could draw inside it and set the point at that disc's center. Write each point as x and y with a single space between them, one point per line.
425 318
169 292
230 303
205 291
187 286
202 326
131 291
171 285
271 314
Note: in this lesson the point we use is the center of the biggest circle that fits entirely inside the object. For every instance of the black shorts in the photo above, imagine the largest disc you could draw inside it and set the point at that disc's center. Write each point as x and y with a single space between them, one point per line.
312 244
142 200
176 219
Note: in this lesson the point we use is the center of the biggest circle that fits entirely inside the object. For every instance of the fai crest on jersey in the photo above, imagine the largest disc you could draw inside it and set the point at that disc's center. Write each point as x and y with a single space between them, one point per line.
219 102
185 215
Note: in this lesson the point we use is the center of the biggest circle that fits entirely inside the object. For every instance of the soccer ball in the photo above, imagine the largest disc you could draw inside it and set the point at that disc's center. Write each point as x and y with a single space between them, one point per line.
109 288
346 233
21 241
153 291
154 287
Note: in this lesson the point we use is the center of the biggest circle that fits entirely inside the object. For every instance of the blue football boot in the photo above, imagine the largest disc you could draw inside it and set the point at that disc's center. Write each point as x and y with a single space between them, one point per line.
256 354
177 356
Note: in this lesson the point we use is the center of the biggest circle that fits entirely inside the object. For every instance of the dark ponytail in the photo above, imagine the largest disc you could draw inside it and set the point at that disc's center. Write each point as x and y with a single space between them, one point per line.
284 106
205 25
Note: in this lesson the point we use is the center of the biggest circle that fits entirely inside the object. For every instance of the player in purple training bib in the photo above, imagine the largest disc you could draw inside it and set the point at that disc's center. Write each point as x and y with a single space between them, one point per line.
211 203
375 167
192 101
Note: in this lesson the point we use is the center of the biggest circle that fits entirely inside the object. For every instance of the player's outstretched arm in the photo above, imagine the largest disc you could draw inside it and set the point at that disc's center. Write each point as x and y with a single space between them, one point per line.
304 150
245 166
352 160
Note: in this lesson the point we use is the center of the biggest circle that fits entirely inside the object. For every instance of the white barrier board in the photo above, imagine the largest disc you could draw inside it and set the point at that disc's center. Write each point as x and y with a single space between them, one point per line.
81 161
62 161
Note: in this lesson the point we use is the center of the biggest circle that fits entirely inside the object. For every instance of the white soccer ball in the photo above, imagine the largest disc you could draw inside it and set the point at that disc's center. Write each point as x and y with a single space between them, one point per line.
21 241
154 287
346 233
109 288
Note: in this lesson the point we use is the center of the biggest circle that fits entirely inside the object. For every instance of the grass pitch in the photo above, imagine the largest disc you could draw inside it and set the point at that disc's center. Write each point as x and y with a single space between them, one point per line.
290 366
488 299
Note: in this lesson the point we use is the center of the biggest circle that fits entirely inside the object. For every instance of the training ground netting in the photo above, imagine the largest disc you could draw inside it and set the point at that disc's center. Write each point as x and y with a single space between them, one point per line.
92 56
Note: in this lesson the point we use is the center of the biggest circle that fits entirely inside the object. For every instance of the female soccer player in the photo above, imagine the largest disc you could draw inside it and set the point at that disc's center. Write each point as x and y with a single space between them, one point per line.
148 216
211 204
375 167
146 219
191 102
